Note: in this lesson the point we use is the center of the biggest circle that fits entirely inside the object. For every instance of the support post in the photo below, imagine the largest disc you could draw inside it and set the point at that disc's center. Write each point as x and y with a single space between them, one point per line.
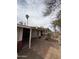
30 38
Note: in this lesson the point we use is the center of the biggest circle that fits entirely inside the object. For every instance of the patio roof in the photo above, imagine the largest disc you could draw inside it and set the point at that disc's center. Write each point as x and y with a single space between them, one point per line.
30 27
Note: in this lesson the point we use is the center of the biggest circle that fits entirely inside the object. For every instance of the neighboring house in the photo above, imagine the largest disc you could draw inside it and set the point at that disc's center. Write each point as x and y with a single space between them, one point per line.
25 35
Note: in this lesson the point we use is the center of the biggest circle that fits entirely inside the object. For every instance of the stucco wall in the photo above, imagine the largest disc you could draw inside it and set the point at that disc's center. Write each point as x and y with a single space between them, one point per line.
34 34
19 34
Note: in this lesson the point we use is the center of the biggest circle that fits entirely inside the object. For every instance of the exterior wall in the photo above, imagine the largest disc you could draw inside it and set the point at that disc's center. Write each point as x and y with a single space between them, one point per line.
39 34
19 38
34 33
19 34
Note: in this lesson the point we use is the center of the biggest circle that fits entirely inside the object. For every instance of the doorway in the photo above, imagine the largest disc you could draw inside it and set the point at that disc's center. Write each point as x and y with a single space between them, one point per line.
25 38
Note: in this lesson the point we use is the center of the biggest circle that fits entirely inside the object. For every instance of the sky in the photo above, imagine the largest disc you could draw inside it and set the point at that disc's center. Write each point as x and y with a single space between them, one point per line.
35 9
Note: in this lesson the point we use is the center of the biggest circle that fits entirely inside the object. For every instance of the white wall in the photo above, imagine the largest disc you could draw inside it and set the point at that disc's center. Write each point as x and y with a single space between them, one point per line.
35 33
19 34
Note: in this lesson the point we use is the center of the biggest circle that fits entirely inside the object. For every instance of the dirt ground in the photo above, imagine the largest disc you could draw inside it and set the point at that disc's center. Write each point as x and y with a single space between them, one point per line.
41 49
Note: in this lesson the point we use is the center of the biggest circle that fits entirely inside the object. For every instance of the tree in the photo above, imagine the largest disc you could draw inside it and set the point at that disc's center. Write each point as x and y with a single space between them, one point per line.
51 5
57 23
27 16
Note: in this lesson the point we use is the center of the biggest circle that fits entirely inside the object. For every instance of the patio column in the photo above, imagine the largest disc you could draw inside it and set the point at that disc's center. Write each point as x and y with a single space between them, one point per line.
30 38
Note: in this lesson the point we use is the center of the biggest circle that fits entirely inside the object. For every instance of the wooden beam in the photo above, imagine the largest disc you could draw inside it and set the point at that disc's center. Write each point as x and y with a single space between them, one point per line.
30 38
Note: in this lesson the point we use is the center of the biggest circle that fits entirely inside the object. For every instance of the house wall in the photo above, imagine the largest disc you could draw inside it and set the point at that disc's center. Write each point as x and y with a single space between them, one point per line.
19 34
19 38
34 33
37 33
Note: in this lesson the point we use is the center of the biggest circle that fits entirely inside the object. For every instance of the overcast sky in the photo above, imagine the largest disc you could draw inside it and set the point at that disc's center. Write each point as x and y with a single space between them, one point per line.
35 9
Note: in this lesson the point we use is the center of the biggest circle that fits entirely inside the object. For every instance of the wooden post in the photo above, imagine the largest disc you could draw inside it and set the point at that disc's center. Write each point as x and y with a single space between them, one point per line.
30 38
